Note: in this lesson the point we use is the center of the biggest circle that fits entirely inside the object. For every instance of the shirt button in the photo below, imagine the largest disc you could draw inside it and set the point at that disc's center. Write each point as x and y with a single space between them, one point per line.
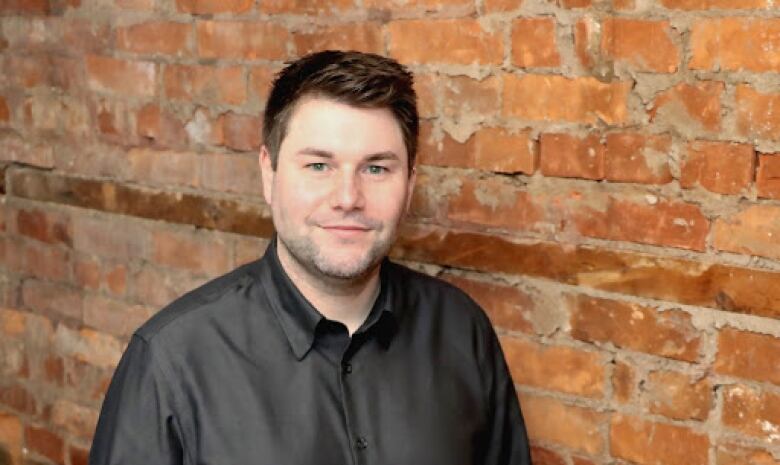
347 368
361 443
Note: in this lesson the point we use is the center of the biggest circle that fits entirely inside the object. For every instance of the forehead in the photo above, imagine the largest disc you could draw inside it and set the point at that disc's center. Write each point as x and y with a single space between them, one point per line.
342 129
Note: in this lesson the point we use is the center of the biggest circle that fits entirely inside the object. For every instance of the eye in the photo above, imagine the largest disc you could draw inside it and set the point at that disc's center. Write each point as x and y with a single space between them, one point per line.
319 166
376 169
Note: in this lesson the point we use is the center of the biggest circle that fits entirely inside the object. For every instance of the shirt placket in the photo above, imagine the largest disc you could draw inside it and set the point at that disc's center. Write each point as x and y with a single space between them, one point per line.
356 430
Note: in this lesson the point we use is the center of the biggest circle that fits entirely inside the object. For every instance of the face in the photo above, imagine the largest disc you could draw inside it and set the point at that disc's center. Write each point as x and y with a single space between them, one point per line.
340 188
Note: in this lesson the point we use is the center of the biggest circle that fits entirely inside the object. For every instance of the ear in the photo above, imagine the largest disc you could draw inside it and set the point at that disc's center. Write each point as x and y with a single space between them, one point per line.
410 187
267 173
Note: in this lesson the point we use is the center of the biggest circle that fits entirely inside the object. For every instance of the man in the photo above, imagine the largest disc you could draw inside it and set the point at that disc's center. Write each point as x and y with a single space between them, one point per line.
323 351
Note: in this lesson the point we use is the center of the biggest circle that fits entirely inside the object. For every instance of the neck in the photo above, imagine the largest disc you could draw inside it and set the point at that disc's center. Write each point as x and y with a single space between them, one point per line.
346 301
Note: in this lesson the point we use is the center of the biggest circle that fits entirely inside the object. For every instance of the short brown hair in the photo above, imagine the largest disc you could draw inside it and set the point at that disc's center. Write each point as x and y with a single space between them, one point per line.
355 78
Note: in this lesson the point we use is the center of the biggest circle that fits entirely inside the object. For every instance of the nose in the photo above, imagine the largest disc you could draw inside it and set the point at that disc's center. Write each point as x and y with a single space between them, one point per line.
348 193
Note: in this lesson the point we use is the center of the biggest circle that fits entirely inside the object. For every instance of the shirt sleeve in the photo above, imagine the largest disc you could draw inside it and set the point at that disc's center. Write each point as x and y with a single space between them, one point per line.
506 441
137 423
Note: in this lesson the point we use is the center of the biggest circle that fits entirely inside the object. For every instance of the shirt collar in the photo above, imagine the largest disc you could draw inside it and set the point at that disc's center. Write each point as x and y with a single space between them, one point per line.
299 319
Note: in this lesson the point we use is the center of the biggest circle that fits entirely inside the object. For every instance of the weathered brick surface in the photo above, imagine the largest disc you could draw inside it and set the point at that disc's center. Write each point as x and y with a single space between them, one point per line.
621 152
649 443
555 368
752 412
553 421
754 230
668 334
678 396
718 167
748 355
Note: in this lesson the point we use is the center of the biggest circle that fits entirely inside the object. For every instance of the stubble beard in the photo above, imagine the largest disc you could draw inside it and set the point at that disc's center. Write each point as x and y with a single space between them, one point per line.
317 262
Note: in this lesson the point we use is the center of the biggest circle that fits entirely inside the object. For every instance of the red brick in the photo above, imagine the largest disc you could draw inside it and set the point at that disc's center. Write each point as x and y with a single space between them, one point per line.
719 167
638 158
736 44
640 44
508 307
493 6
15 148
40 7
631 326
467 98
51 298
456 41
588 100
753 231
362 36
45 226
236 173
568 156
88 346
86 273
410 7
205 84
11 434
502 151
542 456
748 355
18 398
696 106
248 249
310 7
713 4
732 454
109 238
46 443
204 7
549 420
116 279
163 37
768 177
678 396
425 86
12 322
494 202
113 316
247 40
163 167
29 71
623 382
54 370
160 127
241 132
44 261
757 114
260 80
157 287
658 222
752 412
121 77
650 443
180 250
77 420
440 149
78 456
5 112
556 368
534 44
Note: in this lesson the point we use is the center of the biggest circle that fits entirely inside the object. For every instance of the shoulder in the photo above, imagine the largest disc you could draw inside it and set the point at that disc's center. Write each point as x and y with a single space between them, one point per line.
198 303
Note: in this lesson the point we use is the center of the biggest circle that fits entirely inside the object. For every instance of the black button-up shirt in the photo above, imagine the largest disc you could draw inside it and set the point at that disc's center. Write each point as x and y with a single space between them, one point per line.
244 370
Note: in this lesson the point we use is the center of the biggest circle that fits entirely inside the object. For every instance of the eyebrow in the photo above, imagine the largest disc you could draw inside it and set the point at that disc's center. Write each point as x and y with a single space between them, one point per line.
379 156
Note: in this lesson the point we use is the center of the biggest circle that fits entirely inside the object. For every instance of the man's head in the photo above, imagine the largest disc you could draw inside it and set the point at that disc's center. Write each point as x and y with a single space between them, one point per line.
357 79
337 162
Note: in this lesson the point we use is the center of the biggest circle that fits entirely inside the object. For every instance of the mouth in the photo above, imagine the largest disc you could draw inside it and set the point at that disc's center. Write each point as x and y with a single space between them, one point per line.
346 231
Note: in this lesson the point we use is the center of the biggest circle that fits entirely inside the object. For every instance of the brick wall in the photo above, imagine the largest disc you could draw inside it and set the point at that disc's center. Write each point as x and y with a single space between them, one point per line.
601 175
